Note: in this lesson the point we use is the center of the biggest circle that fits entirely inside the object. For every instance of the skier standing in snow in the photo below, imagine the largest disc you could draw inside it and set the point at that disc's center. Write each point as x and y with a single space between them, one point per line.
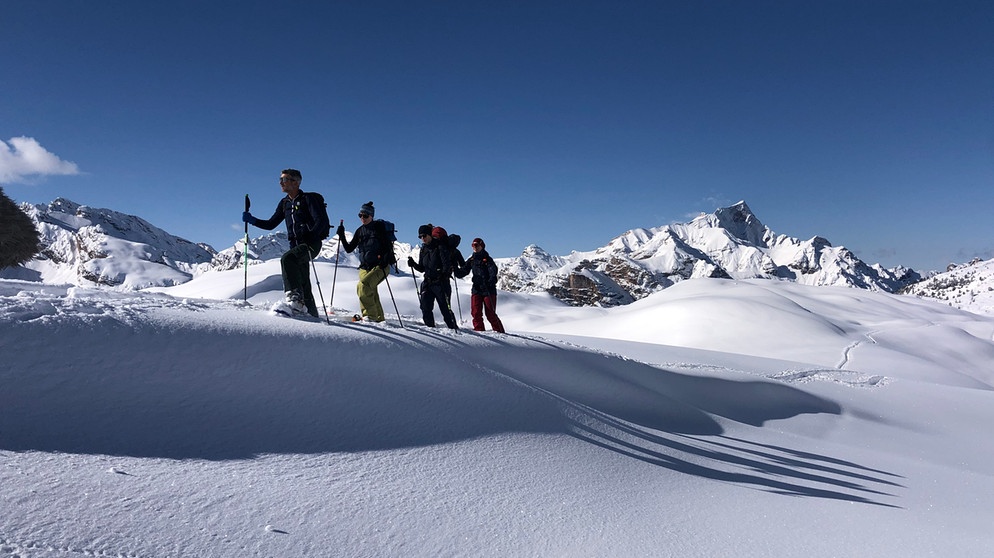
375 259
484 293
435 261
307 224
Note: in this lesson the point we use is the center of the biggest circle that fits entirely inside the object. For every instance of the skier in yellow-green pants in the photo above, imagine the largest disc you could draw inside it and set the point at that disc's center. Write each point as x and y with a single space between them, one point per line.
369 293
375 257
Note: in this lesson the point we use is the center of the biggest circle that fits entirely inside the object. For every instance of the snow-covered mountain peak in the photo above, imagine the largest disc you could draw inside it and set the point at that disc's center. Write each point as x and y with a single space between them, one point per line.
738 221
731 242
535 251
83 245
62 205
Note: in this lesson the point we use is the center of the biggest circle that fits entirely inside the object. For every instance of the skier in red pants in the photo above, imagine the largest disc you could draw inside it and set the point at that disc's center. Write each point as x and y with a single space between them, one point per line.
484 299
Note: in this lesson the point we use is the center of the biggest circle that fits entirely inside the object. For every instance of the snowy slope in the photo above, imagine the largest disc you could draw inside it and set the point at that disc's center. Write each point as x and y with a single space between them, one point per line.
969 286
716 418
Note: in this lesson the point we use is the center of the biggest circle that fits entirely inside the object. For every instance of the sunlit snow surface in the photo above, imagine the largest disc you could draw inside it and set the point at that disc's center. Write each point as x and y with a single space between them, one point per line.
715 418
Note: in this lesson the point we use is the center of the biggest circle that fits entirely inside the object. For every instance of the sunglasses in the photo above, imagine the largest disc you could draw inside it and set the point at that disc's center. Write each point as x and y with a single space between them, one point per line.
285 179
364 215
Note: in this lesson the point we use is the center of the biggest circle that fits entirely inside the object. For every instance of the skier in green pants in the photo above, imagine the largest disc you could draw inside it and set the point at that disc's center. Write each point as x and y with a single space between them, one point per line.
375 258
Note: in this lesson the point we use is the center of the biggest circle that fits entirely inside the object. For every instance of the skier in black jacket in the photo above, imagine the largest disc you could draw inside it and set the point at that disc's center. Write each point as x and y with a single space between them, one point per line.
484 293
375 258
305 221
435 261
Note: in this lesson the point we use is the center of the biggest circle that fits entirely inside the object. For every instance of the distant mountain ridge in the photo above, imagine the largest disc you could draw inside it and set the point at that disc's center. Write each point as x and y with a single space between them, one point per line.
82 245
969 286
87 246
729 243
90 246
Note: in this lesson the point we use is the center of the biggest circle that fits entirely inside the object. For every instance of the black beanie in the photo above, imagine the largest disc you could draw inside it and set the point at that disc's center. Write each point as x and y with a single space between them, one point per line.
424 229
368 209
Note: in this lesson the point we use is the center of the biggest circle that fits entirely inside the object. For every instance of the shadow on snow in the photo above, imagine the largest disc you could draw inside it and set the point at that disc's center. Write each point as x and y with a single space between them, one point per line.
196 393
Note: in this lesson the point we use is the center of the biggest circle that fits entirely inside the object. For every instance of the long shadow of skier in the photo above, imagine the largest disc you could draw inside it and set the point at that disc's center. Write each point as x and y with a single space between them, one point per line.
600 397
161 391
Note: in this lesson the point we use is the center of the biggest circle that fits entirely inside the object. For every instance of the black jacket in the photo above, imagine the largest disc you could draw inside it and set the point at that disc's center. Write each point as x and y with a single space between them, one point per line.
484 273
303 219
435 261
373 245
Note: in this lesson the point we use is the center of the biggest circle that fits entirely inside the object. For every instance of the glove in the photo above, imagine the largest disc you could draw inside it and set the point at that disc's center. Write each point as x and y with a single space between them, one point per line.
341 230
410 261
248 218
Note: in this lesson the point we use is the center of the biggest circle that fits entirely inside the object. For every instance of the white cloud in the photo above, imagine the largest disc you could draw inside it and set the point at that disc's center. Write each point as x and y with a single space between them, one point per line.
21 157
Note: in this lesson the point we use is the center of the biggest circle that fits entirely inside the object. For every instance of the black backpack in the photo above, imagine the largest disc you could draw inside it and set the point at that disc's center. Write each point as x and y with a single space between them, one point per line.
387 240
323 226
452 241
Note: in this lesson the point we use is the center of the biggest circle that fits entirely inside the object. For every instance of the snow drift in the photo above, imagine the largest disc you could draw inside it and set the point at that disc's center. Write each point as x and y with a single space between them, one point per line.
718 417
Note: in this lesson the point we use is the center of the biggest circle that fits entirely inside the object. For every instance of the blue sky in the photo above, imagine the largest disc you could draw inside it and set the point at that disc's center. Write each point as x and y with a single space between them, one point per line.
561 124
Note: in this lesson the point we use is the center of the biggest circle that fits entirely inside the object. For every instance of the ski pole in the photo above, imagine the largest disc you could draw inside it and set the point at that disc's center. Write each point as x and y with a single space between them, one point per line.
248 204
417 290
316 279
458 303
334 278
385 279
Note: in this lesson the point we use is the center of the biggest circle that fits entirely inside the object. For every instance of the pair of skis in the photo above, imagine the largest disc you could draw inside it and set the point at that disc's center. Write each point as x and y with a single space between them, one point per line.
284 310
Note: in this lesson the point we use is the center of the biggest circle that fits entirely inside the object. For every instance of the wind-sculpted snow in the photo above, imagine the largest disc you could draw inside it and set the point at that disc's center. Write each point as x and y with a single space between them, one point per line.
827 327
187 422
283 386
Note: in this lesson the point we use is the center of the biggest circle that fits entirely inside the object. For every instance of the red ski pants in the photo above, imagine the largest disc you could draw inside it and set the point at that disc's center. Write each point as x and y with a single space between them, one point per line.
481 304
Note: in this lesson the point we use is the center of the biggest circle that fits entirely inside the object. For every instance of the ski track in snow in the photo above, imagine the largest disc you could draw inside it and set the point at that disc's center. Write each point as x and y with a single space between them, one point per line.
88 305
844 377
38 549
839 375
847 352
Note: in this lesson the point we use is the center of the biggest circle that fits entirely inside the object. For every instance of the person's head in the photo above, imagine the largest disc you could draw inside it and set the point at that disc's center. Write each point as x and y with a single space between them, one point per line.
424 233
366 213
290 181
478 245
